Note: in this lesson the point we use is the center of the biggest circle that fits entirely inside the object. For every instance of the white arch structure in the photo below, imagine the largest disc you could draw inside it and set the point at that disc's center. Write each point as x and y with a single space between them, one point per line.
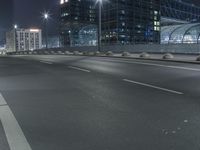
179 34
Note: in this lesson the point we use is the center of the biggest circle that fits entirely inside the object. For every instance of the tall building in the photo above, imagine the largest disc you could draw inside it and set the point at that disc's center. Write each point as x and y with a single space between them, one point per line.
23 40
123 22
77 22
179 11
192 2
131 21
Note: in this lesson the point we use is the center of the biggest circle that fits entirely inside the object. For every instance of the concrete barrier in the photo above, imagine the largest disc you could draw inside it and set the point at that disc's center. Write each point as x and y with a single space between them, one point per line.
168 56
76 52
135 48
30 52
109 53
52 52
97 53
144 55
126 54
87 53
46 52
34 52
198 58
67 53
60 52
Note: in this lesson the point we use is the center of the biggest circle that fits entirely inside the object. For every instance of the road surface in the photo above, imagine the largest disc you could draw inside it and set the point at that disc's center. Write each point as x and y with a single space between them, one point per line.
98 103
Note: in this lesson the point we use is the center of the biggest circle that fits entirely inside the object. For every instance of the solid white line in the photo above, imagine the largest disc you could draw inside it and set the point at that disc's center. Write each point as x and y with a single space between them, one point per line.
80 69
46 62
157 65
15 137
2 100
185 68
152 86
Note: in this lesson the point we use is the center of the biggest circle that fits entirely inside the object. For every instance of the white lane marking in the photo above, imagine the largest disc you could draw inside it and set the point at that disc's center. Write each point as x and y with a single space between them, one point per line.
14 134
80 69
152 86
46 62
2 100
153 64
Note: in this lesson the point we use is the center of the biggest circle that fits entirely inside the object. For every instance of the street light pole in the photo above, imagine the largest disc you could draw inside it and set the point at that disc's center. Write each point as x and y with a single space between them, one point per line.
46 35
99 26
15 36
46 16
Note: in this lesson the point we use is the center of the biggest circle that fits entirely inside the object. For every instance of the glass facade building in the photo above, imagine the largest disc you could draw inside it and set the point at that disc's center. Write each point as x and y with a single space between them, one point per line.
123 22
126 21
181 10
76 16
131 22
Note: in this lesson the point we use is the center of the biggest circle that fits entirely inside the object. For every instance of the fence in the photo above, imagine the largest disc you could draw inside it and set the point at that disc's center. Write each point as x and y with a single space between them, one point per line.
138 48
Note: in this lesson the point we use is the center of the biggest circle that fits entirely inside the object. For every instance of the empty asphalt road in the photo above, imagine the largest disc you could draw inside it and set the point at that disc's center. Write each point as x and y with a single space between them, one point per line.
97 103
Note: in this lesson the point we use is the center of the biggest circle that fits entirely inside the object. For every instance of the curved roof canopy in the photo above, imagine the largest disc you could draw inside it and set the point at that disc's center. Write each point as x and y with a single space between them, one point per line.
178 34
88 35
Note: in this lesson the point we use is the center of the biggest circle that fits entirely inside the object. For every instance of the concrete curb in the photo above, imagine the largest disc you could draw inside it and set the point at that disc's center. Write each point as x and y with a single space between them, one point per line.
158 59
168 56
153 59
129 57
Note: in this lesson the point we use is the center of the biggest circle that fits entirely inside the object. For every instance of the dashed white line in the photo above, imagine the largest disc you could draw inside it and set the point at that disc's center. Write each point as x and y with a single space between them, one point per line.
80 69
46 62
14 134
153 86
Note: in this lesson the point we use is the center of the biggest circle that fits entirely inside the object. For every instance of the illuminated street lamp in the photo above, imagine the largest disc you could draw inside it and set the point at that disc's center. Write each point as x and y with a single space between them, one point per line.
99 26
15 35
46 17
15 26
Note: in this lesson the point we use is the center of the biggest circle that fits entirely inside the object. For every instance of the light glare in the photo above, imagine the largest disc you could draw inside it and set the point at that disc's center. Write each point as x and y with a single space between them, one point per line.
34 30
15 26
46 16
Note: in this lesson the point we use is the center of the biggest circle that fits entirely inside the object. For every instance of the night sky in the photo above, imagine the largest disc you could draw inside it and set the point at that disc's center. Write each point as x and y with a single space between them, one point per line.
6 11
27 13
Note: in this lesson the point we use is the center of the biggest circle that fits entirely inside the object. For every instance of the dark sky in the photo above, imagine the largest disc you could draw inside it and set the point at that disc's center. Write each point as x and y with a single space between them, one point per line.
27 13
6 11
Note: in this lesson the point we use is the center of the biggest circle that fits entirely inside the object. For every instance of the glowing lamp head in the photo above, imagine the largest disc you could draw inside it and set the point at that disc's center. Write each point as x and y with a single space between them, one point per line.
46 16
15 26
62 2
